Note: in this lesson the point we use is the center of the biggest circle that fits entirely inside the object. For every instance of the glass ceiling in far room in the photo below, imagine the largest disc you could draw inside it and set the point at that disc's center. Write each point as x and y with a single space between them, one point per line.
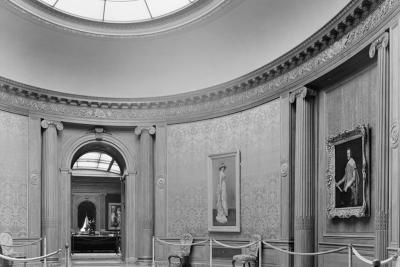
118 11
97 161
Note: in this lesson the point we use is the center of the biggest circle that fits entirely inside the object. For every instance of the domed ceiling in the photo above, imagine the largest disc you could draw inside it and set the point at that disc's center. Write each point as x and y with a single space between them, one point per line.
205 44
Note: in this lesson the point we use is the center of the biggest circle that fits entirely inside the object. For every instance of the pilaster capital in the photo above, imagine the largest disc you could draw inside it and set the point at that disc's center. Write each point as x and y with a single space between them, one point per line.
46 124
140 129
381 42
302 92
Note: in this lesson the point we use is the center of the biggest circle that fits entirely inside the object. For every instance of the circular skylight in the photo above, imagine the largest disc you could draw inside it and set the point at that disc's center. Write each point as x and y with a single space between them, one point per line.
118 11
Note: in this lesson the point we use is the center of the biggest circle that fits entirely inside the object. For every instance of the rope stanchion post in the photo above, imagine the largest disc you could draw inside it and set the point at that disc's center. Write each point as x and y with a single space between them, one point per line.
153 263
304 253
260 253
66 255
179 244
211 242
45 251
376 263
350 256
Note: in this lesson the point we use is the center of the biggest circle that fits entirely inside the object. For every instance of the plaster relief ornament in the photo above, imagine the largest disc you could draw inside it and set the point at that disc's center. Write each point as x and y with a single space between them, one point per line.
394 135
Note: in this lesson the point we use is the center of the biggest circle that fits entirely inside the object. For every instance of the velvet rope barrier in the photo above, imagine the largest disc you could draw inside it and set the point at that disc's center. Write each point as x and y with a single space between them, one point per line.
22 245
351 251
29 259
305 253
259 242
172 244
229 246
179 244
362 258
393 258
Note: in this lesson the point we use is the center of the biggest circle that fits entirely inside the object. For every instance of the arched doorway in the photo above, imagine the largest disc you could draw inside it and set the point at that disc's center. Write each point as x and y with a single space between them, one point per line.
97 201
125 156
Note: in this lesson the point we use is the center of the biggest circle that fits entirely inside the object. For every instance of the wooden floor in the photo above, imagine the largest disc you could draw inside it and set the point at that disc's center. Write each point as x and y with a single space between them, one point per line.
96 260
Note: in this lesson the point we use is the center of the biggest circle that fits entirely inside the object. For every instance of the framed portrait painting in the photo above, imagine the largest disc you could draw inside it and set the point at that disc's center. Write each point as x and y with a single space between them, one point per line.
114 216
347 174
224 192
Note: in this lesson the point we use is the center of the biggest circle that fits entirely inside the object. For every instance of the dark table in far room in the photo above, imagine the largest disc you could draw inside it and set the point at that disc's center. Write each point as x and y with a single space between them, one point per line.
94 243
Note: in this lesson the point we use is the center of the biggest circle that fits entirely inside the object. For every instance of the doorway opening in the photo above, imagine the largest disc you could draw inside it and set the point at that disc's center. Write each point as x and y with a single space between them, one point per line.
97 202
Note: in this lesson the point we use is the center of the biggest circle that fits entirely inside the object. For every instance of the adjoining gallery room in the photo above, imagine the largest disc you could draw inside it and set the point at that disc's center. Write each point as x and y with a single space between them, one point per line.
199 133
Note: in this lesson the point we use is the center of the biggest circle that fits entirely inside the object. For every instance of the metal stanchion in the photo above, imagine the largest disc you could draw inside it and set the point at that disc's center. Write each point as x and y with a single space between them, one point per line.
376 263
45 250
350 256
153 254
260 253
66 255
210 252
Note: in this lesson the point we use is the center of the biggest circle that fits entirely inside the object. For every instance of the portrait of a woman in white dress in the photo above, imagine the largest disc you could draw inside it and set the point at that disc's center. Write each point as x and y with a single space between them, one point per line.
224 192
222 205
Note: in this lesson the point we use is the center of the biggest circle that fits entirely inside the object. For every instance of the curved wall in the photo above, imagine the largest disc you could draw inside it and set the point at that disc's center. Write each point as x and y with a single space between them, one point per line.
255 114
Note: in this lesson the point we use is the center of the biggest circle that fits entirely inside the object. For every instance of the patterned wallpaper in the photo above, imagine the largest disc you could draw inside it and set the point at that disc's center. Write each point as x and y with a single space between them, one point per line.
256 133
13 174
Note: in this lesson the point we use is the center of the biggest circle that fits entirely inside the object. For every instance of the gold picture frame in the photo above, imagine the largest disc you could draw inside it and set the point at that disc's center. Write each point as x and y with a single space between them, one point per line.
114 216
348 180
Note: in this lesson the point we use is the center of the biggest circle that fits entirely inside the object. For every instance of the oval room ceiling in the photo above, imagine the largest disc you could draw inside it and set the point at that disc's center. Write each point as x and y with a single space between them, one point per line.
231 40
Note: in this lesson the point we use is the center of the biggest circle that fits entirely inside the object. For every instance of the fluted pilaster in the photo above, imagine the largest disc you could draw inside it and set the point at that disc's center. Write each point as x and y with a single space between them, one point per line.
304 175
145 192
382 147
50 203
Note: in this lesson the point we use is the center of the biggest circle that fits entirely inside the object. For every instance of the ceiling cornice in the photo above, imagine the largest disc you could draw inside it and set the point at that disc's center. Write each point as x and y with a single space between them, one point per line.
357 20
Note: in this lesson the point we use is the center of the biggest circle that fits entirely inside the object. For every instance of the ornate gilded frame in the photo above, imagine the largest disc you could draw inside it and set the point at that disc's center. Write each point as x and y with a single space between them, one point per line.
232 162
110 225
332 142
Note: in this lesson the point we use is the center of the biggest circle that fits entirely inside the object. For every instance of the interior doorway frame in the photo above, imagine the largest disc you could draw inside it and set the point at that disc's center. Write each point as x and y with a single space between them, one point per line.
128 177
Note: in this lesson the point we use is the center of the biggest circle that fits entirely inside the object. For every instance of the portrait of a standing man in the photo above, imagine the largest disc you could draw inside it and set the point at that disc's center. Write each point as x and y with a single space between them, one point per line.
348 178
350 181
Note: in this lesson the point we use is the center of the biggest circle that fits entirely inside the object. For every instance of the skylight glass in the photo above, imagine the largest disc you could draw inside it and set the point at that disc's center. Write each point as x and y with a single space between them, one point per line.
121 11
97 161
